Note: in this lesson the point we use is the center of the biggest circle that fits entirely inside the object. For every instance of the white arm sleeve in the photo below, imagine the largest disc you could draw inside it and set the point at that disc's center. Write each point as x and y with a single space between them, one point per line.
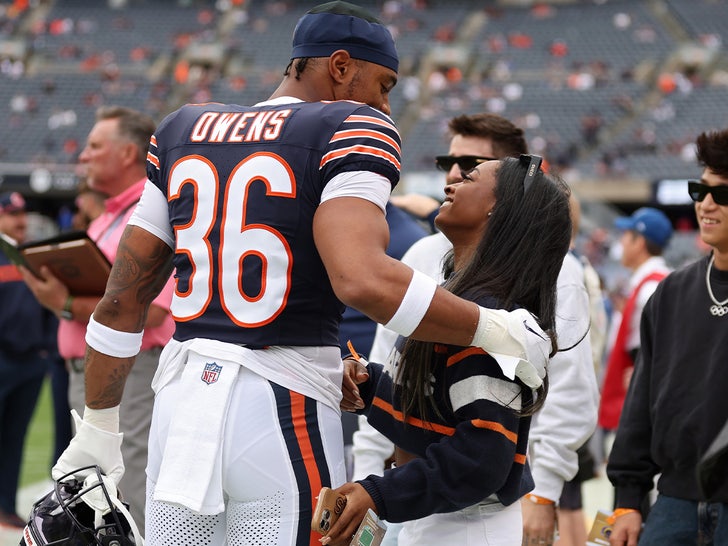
425 255
152 214
363 184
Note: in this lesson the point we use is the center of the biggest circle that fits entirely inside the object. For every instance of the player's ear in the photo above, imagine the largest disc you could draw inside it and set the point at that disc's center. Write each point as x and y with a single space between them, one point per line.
340 65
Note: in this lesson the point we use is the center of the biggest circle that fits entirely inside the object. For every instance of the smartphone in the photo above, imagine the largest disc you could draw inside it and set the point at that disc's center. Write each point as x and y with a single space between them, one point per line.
329 507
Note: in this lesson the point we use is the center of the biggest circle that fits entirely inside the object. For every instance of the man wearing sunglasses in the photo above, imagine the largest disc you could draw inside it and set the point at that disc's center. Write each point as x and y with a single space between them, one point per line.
476 139
645 235
557 430
676 404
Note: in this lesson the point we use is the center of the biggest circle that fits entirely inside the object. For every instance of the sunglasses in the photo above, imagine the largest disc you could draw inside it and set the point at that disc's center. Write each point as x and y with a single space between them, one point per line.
698 192
534 164
465 162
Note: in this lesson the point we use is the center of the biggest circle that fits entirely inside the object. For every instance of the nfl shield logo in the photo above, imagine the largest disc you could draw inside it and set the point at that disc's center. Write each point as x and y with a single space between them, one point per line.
211 373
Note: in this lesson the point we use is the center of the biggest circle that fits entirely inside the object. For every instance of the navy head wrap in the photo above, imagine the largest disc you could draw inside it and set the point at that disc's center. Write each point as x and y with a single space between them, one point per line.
340 25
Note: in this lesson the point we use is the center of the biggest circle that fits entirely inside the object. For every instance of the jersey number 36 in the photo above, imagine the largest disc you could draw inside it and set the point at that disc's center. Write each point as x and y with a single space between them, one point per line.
237 239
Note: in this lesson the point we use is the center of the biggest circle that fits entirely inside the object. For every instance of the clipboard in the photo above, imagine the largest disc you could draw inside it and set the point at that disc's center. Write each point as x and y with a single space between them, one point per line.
72 257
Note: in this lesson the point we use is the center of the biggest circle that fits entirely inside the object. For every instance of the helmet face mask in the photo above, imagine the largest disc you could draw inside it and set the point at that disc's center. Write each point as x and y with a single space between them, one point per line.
81 513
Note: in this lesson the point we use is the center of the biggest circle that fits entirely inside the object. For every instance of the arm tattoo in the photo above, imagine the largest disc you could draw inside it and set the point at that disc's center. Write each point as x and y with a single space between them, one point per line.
138 275
117 374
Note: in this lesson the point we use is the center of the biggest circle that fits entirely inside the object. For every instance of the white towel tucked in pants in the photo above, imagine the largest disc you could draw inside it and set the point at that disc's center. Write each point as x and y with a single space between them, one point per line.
191 474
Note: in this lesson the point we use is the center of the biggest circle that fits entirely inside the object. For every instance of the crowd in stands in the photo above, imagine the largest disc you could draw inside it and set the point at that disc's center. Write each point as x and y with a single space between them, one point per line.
600 87
604 90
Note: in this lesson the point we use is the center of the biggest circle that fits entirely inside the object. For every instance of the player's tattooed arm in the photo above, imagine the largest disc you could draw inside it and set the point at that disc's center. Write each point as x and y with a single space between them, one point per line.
115 372
143 264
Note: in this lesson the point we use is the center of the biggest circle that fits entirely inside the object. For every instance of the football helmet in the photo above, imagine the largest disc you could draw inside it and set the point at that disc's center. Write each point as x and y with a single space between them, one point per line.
81 513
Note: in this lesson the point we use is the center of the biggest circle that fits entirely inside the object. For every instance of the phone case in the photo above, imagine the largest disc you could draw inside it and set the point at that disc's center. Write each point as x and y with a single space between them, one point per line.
328 509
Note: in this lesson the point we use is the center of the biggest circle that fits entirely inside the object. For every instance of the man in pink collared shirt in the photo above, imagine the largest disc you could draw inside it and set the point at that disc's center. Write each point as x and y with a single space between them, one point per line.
114 161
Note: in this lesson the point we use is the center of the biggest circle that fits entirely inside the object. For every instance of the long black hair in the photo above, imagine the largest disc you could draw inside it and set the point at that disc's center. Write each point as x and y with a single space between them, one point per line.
517 262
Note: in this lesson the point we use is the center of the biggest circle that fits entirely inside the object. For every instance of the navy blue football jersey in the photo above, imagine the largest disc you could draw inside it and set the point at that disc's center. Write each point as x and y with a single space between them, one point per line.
242 185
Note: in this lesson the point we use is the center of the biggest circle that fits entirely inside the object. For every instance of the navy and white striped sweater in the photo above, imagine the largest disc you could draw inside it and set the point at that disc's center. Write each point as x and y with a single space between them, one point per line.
476 450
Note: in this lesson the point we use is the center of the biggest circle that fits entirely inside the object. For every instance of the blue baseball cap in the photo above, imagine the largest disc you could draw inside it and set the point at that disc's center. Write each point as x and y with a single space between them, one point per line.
651 223
341 25
11 202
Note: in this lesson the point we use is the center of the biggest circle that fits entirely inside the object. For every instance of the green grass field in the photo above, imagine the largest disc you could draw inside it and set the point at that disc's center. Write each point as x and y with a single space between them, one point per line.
39 441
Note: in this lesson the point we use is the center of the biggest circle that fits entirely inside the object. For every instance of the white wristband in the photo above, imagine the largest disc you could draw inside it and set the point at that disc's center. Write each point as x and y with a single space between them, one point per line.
106 419
112 342
414 305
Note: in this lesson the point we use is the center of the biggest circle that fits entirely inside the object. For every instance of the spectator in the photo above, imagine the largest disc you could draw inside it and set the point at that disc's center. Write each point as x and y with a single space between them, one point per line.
459 423
27 343
571 522
645 235
676 404
90 204
114 163
556 431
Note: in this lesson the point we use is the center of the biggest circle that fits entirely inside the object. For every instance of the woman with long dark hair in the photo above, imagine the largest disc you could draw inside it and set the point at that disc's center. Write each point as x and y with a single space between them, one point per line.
458 415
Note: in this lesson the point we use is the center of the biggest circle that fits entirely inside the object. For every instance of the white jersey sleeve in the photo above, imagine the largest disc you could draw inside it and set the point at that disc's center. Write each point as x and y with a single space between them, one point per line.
152 214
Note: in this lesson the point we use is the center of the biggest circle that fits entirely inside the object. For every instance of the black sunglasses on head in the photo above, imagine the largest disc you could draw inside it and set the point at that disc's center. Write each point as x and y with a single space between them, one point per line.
465 162
534 164
698 191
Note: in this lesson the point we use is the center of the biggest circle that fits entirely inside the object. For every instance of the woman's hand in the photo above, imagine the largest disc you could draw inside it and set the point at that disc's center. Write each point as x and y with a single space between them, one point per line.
355 373
358 502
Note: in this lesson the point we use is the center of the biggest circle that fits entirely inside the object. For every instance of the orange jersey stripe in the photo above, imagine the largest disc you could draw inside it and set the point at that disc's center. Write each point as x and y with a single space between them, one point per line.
520 458
153 159
370 119
367 150
386 406
465 353
365 133
495 427
10 273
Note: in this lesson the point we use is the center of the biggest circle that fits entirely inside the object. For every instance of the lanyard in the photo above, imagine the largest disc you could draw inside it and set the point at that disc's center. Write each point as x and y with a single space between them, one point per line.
114 224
